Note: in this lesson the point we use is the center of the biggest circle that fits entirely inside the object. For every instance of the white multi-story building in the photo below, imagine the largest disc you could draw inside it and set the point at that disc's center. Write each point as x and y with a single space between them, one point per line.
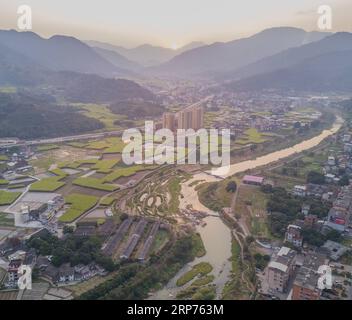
280 269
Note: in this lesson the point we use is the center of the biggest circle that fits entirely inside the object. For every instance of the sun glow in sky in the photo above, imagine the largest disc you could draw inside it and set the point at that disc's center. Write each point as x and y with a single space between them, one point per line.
170 22
174 46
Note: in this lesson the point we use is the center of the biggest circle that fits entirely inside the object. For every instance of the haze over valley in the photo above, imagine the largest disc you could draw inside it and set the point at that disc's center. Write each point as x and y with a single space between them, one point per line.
176 150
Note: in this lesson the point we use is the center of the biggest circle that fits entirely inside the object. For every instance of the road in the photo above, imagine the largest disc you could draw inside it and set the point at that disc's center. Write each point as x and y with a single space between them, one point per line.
83 136
65 139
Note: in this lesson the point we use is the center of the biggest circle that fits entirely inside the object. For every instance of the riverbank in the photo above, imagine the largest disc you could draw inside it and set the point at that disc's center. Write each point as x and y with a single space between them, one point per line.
216 235
277 155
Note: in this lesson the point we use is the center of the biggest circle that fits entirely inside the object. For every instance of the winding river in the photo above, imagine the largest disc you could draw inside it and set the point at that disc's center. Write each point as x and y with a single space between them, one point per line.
216 235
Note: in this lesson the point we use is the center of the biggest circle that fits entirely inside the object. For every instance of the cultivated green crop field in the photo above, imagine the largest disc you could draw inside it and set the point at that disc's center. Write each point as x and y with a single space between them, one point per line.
107 201
48 184
3 182
80 204
93 183
7 198
105 166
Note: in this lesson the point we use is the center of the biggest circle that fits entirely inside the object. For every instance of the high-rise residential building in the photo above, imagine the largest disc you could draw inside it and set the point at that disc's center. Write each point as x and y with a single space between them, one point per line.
197 118
184 118
169 121
189 118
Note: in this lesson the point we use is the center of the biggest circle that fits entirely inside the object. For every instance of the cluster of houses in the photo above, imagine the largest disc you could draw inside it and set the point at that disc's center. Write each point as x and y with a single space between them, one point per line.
66 273
336 167
16 162
14 254
340 215
295 275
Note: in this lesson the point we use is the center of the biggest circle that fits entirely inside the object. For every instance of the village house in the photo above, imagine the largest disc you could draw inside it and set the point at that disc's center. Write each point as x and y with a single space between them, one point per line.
281 269
294 235
299 191
253 180
305 286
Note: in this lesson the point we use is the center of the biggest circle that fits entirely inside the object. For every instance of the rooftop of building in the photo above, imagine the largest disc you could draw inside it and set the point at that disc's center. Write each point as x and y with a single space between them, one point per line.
283 259
307 275
255 179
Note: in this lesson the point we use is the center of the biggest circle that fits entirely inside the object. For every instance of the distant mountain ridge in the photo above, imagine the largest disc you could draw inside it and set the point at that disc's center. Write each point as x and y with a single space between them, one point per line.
59 53
71 67
288 58
117 59
146 54
19 70
321 66
223 57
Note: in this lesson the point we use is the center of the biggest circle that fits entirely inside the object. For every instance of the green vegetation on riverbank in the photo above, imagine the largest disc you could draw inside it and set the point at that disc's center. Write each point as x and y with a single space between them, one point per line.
198 245
200 269
235 288
195 292
216 195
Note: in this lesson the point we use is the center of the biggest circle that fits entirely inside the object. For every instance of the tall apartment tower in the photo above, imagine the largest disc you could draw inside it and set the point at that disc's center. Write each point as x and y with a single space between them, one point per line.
191 118
197 118
169 121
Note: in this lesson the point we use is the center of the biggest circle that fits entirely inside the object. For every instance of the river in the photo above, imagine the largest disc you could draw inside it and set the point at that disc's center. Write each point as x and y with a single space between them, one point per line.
216 235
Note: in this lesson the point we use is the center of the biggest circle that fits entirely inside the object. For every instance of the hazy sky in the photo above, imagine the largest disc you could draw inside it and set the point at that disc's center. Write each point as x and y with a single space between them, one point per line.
170 22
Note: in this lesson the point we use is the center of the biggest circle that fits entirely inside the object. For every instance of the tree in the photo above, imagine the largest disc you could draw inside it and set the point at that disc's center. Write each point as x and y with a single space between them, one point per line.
344 181
250 239
313 237
253 147
297 125
68 229
334 235
267 188
231 187
315 177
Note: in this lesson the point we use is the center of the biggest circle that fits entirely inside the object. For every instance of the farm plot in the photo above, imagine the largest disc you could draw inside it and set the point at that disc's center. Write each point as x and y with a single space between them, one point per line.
80 204
252 136
125 172
7 198
50 184
105 166
94 183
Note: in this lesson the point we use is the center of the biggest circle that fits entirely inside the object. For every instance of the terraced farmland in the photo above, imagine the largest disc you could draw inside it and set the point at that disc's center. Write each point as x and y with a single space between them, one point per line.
7 198
80 204
94 183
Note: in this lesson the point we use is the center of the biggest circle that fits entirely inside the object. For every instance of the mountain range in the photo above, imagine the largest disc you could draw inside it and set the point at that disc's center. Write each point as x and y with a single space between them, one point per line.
224 57
59 53
274 58
146 55
324 65
68 67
